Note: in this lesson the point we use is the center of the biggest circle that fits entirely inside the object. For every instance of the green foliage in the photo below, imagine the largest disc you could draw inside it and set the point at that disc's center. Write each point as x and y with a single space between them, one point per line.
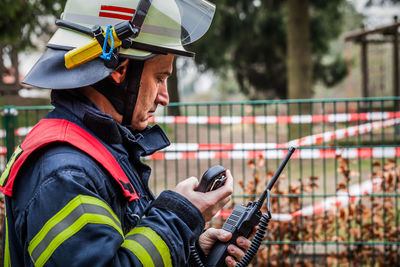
249 37
21 21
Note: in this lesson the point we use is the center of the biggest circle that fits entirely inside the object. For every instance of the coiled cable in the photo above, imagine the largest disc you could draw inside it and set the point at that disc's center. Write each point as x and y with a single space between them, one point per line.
194 255
257 240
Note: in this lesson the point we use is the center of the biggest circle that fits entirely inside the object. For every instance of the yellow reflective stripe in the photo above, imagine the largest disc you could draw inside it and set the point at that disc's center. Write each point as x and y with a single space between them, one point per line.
7 261
6 171
73 229
76 214
157 241
64 212
139 251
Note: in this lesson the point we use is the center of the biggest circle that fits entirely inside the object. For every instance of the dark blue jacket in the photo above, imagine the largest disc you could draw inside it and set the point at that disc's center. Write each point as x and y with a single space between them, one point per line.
66 210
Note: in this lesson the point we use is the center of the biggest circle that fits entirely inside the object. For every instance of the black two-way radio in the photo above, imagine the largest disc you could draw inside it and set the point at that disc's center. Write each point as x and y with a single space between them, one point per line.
241 222
212 179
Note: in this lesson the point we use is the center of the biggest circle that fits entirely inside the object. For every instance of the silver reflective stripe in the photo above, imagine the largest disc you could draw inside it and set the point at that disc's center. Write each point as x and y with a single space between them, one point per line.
93 20
161 31
149 247
67 222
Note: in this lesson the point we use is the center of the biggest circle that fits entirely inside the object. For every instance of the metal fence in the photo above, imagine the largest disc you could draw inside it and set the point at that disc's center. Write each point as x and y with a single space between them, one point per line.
337 202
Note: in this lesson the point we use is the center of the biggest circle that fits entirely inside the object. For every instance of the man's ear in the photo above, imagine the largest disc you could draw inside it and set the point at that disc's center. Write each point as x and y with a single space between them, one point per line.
119 74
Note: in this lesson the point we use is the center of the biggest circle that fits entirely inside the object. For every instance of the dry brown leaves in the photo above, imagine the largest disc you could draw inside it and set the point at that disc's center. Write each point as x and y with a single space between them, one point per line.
355 228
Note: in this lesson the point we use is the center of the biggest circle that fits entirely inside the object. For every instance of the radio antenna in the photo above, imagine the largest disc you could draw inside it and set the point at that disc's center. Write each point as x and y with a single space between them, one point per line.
275 177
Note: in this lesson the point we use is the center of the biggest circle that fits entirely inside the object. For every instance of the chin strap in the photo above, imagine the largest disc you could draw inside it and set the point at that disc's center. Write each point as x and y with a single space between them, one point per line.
133 77
123 96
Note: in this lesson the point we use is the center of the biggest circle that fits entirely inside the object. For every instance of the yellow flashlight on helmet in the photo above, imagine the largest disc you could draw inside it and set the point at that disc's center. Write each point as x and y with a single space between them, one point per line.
94 48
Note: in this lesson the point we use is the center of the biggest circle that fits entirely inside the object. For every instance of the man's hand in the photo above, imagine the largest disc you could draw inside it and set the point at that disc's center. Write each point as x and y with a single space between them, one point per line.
208 203
211 235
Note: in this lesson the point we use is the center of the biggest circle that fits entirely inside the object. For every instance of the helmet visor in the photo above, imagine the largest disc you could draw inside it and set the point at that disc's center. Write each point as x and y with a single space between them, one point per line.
167 22
196 18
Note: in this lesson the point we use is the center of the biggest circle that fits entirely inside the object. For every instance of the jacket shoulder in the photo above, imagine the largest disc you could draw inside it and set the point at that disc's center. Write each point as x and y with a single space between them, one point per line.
59 156
58 167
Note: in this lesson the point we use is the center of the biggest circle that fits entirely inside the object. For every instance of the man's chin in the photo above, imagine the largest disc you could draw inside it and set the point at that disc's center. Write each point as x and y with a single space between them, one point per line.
140 126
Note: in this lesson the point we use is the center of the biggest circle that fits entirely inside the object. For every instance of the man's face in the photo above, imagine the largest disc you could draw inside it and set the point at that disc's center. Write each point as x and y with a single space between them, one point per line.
153 89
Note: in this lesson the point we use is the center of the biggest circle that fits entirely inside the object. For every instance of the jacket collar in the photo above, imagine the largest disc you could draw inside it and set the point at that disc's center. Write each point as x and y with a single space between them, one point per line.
83 111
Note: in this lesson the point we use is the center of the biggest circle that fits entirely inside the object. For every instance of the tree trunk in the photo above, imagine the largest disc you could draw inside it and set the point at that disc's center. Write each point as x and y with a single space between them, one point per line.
173 92
299 60
2 68
15 63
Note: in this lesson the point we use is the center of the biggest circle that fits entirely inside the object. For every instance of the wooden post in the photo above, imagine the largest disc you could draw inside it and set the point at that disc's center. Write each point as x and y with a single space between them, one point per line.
364 66
396 89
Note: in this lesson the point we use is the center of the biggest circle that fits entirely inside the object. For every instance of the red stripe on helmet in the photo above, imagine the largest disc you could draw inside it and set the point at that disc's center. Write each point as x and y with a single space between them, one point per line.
115 16
118 9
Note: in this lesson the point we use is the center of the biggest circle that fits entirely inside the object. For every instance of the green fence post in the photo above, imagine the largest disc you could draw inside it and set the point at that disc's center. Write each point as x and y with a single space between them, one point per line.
9 114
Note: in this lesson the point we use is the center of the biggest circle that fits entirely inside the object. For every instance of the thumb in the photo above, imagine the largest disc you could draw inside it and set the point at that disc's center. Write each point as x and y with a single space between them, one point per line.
189 183
224 236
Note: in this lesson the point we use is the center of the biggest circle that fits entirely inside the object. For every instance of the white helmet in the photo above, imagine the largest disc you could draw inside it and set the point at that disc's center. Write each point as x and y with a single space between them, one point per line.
158 27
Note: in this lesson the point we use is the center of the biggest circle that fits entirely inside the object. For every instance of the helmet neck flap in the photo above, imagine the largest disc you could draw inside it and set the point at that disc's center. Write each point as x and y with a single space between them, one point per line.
123 96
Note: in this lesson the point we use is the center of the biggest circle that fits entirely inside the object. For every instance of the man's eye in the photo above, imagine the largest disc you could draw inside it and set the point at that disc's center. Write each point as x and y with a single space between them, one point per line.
161 79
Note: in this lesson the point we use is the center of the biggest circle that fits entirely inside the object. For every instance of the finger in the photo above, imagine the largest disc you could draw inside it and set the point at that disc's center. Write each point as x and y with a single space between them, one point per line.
235 252
218 234
230 262
224 191
190 182
243 243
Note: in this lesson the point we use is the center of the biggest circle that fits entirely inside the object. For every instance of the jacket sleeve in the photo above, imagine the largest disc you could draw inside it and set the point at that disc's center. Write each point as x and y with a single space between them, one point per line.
67 222
177 221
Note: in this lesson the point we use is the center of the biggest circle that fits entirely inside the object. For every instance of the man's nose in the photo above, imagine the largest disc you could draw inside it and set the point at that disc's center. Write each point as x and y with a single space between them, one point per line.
163 96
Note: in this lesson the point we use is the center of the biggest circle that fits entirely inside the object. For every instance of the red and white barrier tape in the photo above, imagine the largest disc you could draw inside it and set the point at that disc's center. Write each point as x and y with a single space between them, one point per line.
22 131
377 152
304 141
241 150
341 133
341 200
294 119
3 150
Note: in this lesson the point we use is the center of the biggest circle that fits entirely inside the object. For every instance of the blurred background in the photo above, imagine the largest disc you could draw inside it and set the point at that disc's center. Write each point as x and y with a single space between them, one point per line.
320 75
254 50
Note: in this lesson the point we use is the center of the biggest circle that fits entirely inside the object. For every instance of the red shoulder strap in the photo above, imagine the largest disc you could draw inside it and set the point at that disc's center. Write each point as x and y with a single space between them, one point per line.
56 130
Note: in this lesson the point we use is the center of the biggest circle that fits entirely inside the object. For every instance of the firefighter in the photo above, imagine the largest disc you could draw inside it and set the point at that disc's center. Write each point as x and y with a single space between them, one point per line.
76 190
